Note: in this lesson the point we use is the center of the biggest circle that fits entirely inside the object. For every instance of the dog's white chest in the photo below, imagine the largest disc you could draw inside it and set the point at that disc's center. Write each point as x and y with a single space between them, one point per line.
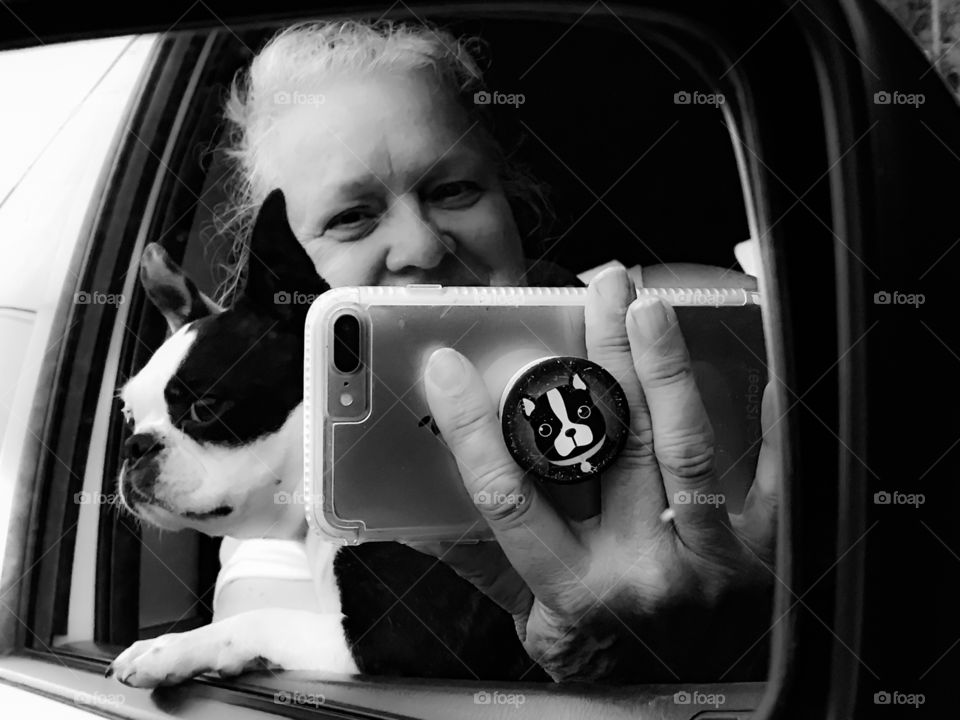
320 555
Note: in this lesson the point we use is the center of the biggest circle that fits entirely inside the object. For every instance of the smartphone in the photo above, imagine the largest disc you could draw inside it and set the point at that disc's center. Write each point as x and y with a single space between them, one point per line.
375 465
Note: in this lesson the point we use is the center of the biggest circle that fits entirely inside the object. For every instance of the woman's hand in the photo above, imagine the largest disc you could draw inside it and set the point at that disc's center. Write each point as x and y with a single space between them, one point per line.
652 589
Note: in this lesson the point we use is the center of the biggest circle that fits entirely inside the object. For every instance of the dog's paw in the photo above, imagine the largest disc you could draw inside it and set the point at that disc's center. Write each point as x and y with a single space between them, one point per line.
266 638
174 658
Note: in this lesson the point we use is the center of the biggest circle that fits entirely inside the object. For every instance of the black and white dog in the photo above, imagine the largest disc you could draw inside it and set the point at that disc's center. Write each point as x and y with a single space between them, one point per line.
568 427
216 418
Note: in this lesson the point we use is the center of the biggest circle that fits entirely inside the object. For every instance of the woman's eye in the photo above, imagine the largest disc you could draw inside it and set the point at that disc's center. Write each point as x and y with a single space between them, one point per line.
351 219
454 195
583 412
205 410
545 430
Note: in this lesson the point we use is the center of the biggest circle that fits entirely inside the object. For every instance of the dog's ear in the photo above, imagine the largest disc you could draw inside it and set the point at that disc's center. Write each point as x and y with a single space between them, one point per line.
528 406
171 291
578 382
281 277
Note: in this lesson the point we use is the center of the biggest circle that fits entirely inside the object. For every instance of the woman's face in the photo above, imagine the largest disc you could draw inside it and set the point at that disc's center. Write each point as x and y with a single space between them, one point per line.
387 184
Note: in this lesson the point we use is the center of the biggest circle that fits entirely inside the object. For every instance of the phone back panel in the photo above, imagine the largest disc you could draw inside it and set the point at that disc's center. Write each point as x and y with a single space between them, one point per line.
386 474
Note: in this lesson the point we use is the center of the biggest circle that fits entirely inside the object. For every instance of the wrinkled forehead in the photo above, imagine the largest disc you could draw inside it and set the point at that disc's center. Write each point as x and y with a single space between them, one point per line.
360 133
144 391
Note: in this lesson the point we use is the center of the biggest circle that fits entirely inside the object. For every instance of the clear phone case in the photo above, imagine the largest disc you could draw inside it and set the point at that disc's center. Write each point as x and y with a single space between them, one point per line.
374 466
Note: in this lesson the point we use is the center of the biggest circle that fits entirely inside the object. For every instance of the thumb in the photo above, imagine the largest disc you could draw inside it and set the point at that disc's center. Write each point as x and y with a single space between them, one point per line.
536 540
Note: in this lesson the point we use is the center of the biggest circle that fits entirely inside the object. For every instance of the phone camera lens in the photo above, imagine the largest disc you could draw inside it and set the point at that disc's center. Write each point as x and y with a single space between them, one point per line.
346 343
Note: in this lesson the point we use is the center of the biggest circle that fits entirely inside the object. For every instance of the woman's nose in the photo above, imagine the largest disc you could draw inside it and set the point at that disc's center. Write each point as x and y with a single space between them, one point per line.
416 242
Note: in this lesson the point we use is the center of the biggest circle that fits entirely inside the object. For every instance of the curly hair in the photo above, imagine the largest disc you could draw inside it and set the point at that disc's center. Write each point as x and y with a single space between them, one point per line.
301 53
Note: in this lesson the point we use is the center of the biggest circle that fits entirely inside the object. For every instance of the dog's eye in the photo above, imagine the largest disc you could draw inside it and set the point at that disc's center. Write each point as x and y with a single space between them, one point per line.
204 410
583 412
545 430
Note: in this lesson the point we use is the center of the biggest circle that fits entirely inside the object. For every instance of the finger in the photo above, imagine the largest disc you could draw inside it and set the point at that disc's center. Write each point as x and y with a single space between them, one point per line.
487 568
630 495
757 524
535 539
682 435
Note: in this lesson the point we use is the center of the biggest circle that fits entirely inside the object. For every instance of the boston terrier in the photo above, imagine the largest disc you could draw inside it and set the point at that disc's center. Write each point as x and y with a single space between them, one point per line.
567 426
216 433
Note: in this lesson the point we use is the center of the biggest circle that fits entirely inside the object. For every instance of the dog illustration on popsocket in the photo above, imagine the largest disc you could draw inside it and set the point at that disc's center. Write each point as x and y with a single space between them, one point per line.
568 428
564 419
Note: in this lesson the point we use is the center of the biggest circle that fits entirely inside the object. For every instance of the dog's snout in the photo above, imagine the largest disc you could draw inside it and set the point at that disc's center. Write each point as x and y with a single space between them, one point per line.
571 432
142 445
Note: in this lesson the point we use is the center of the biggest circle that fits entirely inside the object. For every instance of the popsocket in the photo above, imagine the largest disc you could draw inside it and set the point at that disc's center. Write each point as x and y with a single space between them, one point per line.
565 419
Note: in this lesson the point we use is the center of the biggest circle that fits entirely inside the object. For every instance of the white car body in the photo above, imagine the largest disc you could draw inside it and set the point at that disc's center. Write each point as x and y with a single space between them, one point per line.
41 225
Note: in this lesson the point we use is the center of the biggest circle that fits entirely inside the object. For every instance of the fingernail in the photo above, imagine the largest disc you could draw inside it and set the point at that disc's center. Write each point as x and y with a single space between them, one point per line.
652 317
616 287
447 371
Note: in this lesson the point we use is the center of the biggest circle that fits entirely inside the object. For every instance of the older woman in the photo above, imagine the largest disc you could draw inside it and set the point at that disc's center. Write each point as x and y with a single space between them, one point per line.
392 176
